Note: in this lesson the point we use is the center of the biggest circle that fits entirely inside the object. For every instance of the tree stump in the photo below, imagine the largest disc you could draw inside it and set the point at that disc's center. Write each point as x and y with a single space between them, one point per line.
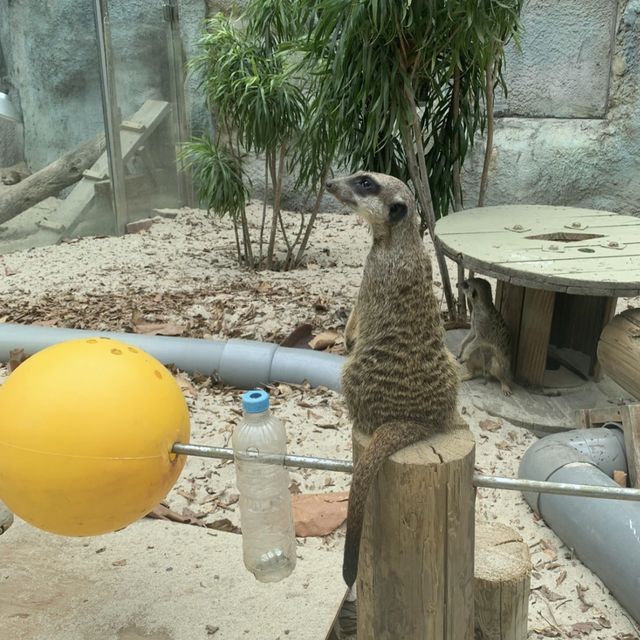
415 575
502 583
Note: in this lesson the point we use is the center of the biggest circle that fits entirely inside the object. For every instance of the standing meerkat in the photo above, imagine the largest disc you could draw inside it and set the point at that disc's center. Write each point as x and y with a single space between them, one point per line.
486 349
399 382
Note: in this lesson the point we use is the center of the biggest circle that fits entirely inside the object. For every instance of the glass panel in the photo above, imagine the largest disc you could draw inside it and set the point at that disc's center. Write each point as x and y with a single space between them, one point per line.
142 53
54 84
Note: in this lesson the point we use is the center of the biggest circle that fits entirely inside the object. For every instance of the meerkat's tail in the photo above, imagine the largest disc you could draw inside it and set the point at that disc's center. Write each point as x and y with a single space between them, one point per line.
387 439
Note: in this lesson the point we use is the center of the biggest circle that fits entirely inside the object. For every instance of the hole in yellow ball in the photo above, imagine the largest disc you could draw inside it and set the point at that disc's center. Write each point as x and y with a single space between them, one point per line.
158 374
132 350
92 341
116 352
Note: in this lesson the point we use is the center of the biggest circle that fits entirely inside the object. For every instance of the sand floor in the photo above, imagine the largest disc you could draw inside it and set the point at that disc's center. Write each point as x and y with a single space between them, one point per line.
182 271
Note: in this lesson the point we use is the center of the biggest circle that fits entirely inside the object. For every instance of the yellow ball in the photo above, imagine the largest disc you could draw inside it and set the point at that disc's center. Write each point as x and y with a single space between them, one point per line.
86 430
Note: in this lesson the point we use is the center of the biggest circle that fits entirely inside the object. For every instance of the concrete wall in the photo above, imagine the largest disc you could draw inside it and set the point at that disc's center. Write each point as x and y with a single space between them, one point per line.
51 67
568 133
569 145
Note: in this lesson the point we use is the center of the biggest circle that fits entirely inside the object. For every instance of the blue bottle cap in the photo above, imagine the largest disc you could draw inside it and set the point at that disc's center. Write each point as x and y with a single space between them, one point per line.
255 401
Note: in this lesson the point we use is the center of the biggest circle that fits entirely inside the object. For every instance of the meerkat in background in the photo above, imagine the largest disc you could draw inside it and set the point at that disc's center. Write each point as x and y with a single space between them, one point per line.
486 349
399 382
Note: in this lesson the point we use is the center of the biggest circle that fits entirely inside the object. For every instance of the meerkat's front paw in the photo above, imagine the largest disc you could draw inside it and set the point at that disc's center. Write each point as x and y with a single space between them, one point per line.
506 389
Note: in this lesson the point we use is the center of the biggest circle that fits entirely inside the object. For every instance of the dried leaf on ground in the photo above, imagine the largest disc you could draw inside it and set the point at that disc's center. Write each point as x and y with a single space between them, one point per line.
490 425
549 595
162 512
294 488
581 590
318 514
580 629
159 329
224 524
324 340
299 338
548 632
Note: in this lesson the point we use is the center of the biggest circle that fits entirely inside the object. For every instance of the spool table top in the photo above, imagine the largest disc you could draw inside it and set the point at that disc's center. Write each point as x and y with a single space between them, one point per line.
578 251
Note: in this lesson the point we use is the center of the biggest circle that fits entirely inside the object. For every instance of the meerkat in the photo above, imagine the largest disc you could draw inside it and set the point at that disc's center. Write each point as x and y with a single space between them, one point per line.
487 347
13 175
399 382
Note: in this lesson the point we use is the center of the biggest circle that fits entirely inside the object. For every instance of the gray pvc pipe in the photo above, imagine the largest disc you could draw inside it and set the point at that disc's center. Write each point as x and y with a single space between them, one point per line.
604 534
241 363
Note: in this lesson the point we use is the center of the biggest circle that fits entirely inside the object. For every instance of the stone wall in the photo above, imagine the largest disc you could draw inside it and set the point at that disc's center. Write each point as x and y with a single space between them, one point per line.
568 133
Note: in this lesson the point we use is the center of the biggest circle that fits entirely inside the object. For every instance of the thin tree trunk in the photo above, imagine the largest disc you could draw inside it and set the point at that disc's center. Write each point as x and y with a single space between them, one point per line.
264 205
312 219
455 115
455 178
489 148
288 262
235 231
426 202
276 180
248 252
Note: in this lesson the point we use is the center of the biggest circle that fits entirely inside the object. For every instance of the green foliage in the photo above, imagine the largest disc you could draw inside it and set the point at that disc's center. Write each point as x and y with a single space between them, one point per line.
217 175
381 62
250 82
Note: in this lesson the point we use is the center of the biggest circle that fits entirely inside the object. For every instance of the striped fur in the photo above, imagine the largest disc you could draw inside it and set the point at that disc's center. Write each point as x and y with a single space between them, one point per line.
399 381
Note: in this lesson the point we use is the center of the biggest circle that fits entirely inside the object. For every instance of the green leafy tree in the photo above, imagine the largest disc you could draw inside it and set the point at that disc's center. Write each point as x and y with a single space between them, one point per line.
403 87
252 81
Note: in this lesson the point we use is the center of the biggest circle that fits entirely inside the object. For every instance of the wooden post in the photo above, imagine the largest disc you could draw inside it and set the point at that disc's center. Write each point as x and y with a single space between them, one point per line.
415 575
631 427
502 583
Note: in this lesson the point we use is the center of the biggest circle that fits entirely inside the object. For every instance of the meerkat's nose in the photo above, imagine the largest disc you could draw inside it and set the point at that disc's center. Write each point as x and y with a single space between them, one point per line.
328 185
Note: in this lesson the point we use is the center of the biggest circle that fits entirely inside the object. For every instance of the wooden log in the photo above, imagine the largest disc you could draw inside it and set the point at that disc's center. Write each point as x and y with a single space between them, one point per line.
619 351
631 428
502 583
49 181
415 575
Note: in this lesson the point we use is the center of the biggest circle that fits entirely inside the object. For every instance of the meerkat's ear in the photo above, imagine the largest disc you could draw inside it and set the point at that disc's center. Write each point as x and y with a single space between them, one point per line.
397 211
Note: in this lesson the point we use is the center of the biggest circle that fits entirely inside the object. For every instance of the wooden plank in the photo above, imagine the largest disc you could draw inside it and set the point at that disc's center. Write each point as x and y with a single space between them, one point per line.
151 114
631 427
535 328
484 240
620 283
511 301
589 418
541 218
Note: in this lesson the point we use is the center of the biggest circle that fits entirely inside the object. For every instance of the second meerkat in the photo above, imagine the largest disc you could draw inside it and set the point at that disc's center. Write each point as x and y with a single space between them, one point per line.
399 382
486 349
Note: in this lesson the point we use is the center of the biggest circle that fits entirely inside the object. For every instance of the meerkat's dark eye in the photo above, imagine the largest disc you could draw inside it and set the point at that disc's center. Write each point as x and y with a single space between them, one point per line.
366 183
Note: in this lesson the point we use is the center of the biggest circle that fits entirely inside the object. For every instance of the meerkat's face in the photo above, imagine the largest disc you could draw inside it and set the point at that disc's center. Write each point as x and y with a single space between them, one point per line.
476 289
380 199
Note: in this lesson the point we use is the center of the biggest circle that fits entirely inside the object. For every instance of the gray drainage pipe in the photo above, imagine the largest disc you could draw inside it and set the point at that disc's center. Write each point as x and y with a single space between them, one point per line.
605 534
239 363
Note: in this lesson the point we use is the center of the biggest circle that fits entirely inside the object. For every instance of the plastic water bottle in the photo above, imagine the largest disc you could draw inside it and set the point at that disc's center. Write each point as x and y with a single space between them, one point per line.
268 539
